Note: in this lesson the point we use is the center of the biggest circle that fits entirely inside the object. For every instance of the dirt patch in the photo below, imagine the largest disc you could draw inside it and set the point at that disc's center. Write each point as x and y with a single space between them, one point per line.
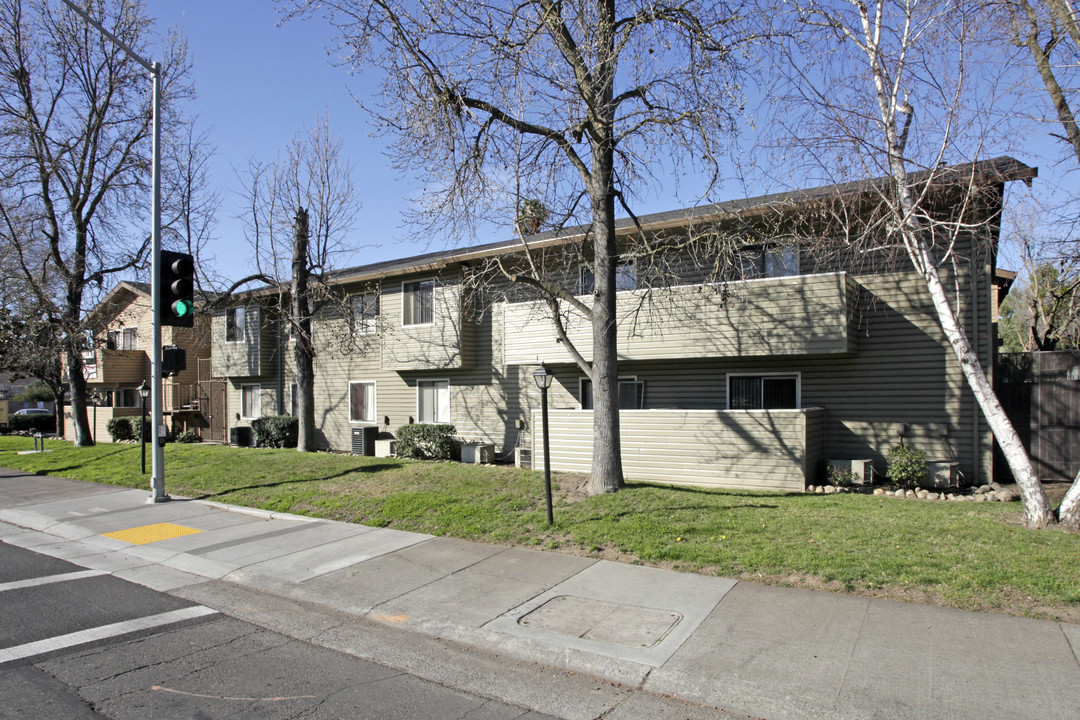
570 487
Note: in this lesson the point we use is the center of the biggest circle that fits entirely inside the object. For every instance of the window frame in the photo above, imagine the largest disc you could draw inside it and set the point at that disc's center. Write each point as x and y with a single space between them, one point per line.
623 379
798 388
374 407
405 295
588 286
358 323
760 255
449 409
258 401
239 327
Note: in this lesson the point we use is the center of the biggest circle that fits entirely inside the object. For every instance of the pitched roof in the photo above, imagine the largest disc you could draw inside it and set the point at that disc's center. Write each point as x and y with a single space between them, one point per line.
122 293
996 171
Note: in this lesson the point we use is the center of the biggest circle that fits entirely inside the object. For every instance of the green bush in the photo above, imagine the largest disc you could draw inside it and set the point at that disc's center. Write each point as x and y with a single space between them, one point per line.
189 436
33 423
137 427
37 390
119 428
278 431
907 466
426 442
841 477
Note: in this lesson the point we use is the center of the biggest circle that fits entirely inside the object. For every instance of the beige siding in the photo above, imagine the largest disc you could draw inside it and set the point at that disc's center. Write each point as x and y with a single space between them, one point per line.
759 450
801 315
440 345
246 358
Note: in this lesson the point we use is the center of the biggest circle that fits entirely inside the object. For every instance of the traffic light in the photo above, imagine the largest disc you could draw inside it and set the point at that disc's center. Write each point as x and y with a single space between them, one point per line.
176 289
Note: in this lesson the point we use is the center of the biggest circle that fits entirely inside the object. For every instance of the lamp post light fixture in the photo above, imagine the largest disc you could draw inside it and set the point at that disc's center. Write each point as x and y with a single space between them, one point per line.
543 379
144 392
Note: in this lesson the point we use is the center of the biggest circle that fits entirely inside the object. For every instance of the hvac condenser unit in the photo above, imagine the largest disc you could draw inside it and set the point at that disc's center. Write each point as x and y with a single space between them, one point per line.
861 471
363 440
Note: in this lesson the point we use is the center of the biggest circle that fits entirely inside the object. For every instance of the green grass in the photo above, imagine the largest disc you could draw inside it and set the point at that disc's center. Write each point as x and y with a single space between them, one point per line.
964 555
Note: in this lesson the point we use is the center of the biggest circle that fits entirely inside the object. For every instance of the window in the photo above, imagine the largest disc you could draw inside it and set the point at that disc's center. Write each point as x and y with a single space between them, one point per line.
625 277
362 402
126 339
769 262
418 302
365 312
235 324
763 392
128 397
433 401
631 394
250 401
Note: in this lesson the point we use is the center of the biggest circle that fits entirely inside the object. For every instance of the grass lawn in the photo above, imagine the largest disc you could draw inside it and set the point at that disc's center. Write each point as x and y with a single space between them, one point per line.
963 555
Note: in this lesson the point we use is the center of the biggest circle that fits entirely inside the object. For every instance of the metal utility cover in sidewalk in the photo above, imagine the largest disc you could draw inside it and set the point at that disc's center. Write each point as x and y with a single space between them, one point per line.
626 625
146 534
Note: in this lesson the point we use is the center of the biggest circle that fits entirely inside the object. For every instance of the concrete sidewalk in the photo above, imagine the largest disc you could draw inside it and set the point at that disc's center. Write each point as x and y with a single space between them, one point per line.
748 649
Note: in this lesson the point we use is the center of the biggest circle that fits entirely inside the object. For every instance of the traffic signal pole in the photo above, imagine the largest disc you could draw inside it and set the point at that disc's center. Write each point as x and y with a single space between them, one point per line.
157 480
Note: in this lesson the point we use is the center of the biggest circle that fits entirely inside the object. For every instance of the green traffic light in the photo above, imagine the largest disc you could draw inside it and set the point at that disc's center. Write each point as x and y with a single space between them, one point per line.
181 308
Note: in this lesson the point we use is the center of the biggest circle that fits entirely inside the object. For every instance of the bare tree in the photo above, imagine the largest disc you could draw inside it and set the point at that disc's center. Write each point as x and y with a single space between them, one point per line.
75 124
303 207
581 100
888 61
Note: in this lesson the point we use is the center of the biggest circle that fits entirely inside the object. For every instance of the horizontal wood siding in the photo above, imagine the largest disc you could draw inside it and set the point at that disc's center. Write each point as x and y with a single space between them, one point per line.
437 346
245 358
121 367
758 450
800 315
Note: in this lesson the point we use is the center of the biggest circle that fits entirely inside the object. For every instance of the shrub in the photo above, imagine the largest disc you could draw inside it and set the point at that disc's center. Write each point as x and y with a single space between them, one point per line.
426 442
907 466
119 428
278 431
841 476
138 427
33 423
189 436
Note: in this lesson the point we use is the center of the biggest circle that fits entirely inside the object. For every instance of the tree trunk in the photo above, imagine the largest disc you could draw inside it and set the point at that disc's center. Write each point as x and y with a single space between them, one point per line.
1069 510
303 349
77 384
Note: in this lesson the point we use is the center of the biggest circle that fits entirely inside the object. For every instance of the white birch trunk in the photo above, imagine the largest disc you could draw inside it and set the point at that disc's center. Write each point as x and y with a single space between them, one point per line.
1069 510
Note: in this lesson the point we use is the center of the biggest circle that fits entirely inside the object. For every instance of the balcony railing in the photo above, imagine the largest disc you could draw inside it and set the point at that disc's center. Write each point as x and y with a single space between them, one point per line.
799 315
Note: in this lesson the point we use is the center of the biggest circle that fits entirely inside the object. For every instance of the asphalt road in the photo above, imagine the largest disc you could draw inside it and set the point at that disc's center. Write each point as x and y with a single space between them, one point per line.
84 645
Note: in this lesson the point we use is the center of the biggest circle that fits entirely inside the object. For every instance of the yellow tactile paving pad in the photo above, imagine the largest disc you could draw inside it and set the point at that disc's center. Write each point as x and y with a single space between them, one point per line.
151 533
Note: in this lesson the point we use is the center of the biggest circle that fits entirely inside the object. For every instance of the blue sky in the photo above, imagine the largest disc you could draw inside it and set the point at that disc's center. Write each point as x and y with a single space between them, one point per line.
258 84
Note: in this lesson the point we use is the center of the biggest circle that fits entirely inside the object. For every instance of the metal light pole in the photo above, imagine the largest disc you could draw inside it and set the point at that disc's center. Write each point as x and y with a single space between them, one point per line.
143 392
157 478
543 381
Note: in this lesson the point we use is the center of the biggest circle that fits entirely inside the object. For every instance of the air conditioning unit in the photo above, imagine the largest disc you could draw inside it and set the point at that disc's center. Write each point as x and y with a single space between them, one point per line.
241 437
477 453
862 471
943 474
523 457
363 440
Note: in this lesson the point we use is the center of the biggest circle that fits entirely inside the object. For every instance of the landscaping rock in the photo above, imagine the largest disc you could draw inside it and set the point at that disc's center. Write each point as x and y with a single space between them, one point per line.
921 494
979 498
1005 496
879 491
996 487
910 494
829 489
811 488
932 496
819 490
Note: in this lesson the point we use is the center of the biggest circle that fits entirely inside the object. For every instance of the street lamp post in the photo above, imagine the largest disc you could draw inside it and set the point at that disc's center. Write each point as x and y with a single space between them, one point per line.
144 392
543 381
157 478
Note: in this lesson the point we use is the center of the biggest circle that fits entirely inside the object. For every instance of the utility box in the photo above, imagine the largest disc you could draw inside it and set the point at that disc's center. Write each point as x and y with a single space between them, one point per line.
477 453
861 471
385 448
241 437
943 474
363 440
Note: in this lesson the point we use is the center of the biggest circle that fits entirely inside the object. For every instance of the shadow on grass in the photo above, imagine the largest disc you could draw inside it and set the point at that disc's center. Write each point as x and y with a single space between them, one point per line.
280 483
80 465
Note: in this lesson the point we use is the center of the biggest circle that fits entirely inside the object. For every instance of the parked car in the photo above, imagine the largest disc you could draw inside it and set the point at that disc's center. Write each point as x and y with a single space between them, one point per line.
34 411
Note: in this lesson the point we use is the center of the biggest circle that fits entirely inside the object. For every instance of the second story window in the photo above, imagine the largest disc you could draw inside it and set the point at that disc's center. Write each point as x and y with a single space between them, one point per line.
364 312
418 302
625 277
235 322
770 262
126 339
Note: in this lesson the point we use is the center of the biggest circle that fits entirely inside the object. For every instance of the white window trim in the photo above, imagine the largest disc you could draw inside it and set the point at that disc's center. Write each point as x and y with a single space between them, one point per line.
403 300
243 331
374 402
622 379
258 394
798 385
449 408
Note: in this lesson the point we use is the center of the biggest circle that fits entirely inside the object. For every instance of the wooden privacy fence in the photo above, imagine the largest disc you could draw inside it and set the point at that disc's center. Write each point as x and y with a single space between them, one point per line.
749 449
1040 392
